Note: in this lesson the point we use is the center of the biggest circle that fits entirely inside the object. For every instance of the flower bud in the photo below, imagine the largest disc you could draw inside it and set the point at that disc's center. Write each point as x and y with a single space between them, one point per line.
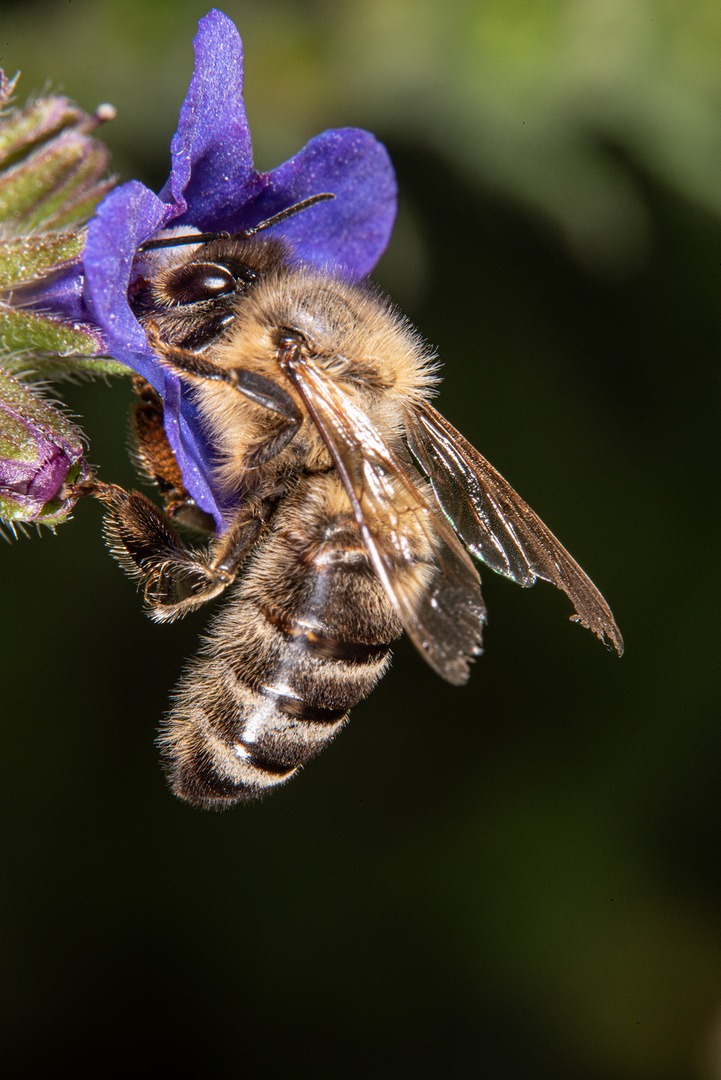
51 179
51 166
41 455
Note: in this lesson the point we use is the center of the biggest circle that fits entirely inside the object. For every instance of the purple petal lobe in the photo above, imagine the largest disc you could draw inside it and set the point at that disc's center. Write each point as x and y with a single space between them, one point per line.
352 230
60 292
123 220
40 479
212 171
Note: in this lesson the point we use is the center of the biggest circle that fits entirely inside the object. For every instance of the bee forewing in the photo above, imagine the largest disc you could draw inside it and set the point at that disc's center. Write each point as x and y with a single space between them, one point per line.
496 525
427 575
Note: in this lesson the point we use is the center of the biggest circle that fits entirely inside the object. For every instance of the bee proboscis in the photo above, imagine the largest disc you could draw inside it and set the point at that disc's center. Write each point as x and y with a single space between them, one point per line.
359 506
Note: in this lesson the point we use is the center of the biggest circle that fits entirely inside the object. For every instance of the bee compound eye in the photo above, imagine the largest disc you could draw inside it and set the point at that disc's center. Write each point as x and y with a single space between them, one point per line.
196 282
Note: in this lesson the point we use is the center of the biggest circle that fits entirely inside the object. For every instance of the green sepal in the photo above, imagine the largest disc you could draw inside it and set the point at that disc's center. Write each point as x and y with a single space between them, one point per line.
25 331
22 129
49 367
81 207
27 258
24 400
55 512
37 189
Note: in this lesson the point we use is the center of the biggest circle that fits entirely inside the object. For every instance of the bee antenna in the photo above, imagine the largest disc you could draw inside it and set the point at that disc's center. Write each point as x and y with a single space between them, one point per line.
178 241
206 238
290 211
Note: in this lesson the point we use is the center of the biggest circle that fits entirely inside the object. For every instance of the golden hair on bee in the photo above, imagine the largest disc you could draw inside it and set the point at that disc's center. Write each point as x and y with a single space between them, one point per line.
357 510
354 337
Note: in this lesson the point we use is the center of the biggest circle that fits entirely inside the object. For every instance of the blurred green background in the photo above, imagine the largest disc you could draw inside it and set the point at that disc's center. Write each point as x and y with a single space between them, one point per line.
520 878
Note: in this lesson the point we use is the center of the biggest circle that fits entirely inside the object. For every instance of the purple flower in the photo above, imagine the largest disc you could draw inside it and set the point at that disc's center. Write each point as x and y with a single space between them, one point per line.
41 454
214 187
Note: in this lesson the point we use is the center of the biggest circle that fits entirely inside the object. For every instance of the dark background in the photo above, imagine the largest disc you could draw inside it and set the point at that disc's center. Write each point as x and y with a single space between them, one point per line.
515 879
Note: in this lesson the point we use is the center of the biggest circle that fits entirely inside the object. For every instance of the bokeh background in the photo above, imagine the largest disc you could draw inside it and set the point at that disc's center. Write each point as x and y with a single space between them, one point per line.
520 878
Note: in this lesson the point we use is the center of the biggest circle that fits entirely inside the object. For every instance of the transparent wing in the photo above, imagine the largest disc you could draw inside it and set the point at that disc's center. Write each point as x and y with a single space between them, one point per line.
427 575
496 525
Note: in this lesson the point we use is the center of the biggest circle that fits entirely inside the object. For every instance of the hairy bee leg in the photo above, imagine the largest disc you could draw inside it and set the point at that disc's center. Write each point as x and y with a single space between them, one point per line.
147 547
150 447
154 458
257 388
141 537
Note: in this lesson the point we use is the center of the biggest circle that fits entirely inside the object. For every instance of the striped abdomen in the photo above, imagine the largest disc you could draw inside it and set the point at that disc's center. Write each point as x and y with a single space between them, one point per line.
304 637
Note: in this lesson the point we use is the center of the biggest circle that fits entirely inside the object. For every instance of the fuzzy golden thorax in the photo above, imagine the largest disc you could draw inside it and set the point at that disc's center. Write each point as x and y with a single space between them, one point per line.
350 332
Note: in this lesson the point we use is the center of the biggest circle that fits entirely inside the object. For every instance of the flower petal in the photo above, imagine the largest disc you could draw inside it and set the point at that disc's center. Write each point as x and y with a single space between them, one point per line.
215 187
127 217
212 171
351 231
123 220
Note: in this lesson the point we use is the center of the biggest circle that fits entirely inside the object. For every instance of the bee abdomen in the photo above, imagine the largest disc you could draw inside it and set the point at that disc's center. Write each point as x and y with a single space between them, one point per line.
234 734
302 641
326 646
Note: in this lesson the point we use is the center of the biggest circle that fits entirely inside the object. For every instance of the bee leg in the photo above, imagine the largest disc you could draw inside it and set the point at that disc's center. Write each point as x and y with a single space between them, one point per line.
257 388
273 397
155 459
196 577
151 449
175 579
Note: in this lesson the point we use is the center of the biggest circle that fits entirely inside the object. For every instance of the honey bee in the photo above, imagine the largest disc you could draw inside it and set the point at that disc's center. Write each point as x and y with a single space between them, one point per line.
361 508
